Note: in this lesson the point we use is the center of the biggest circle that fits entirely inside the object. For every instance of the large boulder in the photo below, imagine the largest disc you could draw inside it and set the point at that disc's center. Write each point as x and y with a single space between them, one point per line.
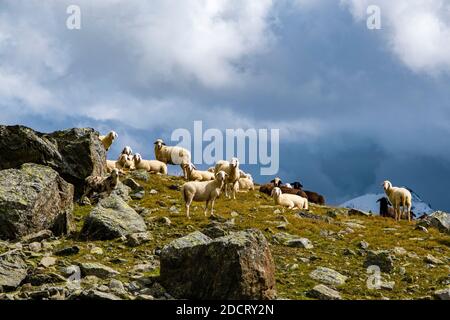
34 198
438 219
13 270
237 266
112 218
74 153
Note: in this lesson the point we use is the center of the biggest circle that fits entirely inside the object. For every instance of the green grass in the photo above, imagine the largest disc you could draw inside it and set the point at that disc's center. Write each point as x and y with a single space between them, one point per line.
257 211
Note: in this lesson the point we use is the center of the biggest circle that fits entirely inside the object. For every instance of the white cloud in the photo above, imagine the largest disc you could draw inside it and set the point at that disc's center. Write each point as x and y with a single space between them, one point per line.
417 31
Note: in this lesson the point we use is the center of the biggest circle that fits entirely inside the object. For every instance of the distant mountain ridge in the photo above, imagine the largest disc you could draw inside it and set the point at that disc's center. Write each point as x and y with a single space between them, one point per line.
368 203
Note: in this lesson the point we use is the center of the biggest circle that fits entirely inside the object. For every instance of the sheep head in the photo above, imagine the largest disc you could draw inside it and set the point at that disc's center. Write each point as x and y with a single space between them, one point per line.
159 143
296 185
127 150
387 185
277 182
221 176
137 158
113 135
234 162
276 192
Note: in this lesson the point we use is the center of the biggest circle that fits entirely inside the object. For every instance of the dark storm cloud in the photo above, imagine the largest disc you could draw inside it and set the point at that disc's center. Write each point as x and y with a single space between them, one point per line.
352 111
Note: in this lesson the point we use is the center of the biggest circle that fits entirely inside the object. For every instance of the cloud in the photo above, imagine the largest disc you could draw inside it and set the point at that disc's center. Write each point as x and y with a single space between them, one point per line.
416 31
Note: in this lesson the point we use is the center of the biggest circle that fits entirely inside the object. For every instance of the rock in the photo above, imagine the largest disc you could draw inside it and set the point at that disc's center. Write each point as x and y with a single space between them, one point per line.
97 295
328 276
116 285
112 218
216 229
138 195
34 198
142 175
289 240
67 251
234 214
399 251
97 251
364 245
13 270
355 212
387 285
35 246
237 266
349 252
37 236
443 294
277 211
97 269
122 191
174 187
322 292
421 228
74 153
433 260
354 225
382 258
439 220
153 192
131 183
308 215
38 279
47 262
145 267
72 271
136 239
174 210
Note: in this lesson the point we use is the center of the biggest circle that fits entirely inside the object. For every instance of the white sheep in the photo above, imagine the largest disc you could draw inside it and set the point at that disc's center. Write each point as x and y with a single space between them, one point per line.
108 139
203 191
172 155
399 197
125 162
126 150
197 175
232 169
290 201
153 166
245 184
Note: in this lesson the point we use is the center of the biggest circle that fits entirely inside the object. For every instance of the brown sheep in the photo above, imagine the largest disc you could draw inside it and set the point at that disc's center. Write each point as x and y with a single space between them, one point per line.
313 197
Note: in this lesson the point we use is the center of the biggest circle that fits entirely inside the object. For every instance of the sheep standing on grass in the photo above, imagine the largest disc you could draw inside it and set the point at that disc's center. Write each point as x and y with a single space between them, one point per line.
203 191
172 155
108 139
197 175
231 168
153 166
100 184
387 211
290 201
399 197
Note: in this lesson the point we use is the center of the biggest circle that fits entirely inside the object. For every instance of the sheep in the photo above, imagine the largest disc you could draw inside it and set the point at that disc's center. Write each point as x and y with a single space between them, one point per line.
290 201
125 162
399 197
101 184
245 184
313 197
268 188
196 175
386 210
111 165
211 169
172 155
108 139
153 166
233 174
126 150
203 191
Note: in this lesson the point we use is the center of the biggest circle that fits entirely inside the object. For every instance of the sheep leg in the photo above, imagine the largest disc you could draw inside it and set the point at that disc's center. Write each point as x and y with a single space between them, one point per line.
206 208
234 189
188 206
212 206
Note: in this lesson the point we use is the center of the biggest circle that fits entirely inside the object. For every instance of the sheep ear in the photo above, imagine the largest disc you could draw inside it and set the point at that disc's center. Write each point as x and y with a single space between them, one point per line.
163 143
272 181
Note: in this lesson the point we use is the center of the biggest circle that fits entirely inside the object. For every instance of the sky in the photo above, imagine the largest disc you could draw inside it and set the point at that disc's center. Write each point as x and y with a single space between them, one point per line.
354 106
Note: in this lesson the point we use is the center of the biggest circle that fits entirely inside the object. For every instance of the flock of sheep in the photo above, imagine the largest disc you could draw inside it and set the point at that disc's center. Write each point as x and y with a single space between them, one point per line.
225 176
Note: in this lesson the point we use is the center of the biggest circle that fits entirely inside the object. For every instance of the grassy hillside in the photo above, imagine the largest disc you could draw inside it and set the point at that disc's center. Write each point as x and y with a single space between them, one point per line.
336 238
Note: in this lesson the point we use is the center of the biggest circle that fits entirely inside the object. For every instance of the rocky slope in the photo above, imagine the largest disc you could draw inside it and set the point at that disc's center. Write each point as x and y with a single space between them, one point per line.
323 253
